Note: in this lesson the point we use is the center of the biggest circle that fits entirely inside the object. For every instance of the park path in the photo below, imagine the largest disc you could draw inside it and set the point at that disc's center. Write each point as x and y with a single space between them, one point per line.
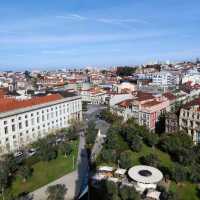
72 181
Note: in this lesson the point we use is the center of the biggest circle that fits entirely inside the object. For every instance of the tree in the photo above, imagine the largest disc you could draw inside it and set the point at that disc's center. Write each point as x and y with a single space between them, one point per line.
11 163
136 144
91 133
151 139
108 155
194 173
125 71
110 117
166 171
151 160
112 140
111 188
56 192
4 174
167 195
25 172
183 156
179 173
75 125
68 149
126 159
47 151
172 142
128 193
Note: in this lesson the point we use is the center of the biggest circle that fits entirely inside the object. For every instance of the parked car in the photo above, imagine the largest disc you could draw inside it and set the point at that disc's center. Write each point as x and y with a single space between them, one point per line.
59 140
32 152
18 154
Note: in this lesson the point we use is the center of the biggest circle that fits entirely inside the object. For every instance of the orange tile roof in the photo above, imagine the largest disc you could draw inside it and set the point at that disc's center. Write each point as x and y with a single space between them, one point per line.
8 104
142 96
125 103
169 96
151 103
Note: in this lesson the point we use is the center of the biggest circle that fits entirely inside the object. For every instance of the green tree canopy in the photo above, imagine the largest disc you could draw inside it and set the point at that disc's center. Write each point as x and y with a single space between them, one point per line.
56 192
126 159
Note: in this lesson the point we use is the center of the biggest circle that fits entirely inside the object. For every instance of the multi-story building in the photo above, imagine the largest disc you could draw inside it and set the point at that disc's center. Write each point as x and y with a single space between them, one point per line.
189 119
171 122
144 107
164 78
93 96
25 121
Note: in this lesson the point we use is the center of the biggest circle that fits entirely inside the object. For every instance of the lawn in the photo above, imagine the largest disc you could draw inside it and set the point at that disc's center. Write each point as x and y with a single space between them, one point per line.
46 172
187 191
163 157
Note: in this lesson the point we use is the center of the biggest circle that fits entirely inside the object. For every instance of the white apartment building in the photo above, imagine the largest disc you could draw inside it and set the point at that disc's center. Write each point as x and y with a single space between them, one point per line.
23 122
164 78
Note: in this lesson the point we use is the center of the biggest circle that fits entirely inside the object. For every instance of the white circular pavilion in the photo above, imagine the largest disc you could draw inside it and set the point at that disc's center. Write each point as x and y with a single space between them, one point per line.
145 177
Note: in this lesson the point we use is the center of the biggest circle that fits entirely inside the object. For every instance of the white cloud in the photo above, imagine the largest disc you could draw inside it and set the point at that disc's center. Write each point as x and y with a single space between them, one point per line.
72 17
115 21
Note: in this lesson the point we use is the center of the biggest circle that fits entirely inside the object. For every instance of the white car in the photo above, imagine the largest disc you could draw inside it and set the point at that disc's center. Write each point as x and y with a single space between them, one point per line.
32 152
18 154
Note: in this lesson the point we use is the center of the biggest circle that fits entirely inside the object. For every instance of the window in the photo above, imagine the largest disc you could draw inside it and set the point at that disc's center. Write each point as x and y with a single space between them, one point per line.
13 120
5 122
20 134
42 117
38 119
20 125
14 136
31 114
26 116
32 121
26 122
6 130
6 139
19 118
13 127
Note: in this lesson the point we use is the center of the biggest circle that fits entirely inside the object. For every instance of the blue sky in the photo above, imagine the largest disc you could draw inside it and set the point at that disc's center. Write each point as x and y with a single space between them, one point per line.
41 34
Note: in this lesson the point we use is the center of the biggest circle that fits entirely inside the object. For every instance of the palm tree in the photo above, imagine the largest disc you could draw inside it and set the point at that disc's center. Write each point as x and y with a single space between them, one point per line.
56 192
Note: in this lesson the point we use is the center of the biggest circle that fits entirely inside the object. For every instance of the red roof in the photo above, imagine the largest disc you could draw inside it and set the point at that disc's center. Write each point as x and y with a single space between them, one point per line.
195 102
125 103
8 104
151 103
169 96
142 96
